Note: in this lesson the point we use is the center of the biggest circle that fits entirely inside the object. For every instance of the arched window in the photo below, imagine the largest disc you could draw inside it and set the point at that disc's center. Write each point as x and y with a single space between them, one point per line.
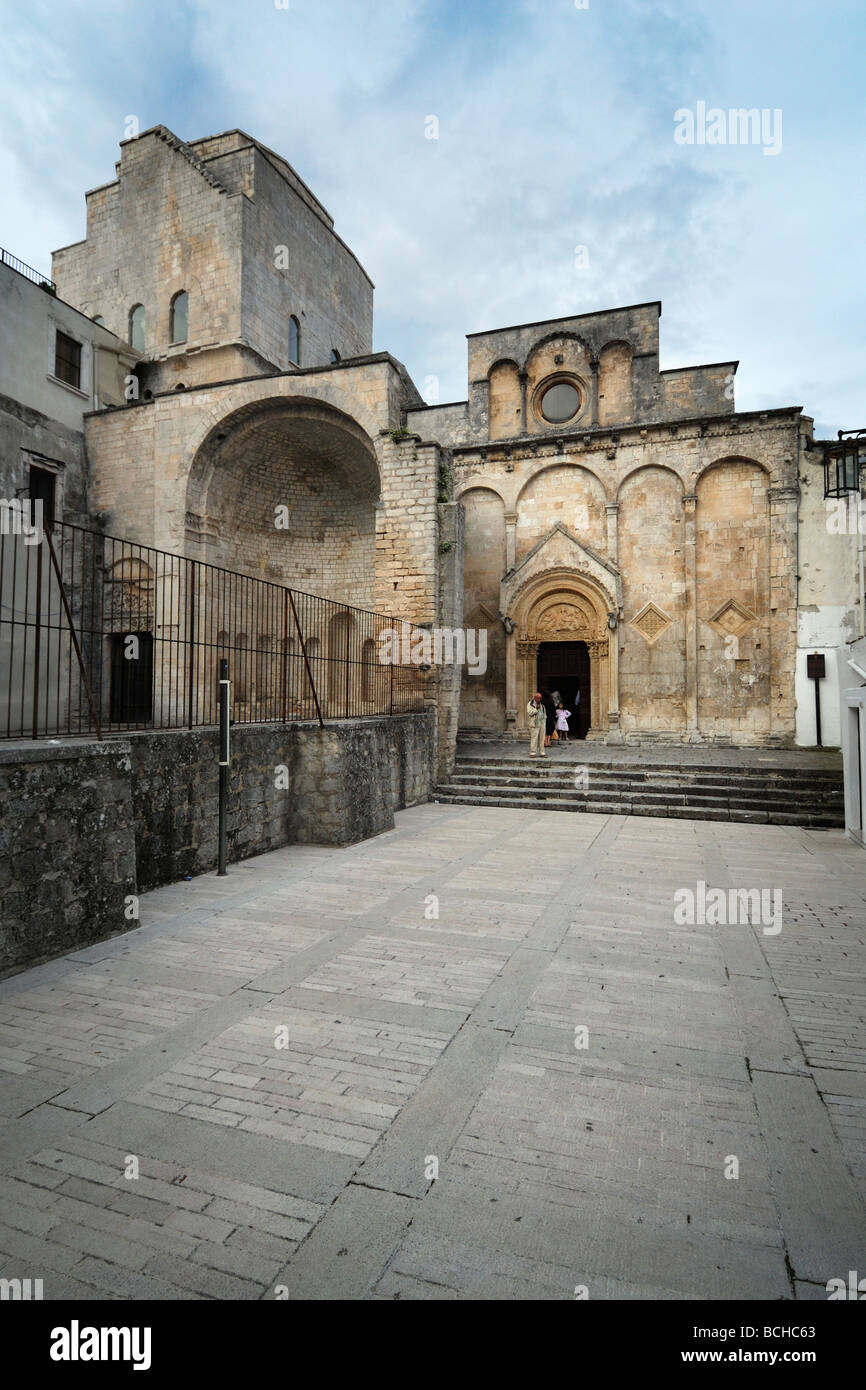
294 341
340 632
179 317
335 355
136 327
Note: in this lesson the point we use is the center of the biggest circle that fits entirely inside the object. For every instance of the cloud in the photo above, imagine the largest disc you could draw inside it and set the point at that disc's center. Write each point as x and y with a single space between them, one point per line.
555 131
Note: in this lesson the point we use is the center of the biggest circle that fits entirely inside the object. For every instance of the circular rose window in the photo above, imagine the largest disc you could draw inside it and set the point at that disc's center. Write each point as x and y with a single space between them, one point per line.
560 402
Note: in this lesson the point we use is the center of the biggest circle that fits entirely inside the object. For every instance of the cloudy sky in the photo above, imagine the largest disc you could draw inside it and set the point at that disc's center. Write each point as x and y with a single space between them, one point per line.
555 131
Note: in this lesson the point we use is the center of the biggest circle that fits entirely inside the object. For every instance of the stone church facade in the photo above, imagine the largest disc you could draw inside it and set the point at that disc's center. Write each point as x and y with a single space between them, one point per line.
637 535
616 529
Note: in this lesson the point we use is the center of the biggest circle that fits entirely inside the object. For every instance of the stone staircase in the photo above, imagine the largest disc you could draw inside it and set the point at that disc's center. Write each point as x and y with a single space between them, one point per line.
735 791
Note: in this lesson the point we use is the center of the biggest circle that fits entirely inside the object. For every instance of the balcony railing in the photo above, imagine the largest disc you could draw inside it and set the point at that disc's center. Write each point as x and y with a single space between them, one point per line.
6 258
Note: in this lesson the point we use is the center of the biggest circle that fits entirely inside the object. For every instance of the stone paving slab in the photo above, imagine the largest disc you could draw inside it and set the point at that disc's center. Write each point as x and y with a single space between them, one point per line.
475 1057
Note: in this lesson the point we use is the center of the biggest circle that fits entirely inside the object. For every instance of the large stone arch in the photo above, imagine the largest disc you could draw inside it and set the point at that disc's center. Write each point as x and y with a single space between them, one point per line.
568 493
285 489
652 557
482 699
735 626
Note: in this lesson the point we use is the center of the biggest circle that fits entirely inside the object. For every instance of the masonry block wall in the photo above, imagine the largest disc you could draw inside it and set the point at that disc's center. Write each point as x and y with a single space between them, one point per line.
611 357
201 472
231 224
163 225
86 825
699 522
407 529
67 848
322 283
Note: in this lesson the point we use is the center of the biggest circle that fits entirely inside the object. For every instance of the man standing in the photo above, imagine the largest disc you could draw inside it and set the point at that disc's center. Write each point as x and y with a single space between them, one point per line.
537 719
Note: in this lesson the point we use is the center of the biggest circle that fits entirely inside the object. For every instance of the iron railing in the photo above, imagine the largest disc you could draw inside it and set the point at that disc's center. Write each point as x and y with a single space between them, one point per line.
100 635
6 258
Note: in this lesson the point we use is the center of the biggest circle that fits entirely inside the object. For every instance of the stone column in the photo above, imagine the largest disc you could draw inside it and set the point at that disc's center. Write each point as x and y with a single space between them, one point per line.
525 673
784 502
612 510
690 503
599 679
510 540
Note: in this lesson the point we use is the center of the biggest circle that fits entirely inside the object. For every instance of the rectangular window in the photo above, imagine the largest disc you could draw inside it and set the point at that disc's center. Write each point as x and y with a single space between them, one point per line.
41 486
131 677
67 360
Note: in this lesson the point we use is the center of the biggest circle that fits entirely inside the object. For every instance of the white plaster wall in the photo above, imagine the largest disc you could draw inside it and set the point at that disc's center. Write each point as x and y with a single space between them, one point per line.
826 629
29 319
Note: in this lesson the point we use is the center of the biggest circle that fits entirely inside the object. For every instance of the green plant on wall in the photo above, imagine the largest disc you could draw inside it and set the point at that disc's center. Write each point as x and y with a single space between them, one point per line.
446 481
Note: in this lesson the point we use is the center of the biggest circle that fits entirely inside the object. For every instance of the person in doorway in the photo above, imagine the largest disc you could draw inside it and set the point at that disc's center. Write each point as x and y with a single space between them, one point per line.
562 717
550 722
536 716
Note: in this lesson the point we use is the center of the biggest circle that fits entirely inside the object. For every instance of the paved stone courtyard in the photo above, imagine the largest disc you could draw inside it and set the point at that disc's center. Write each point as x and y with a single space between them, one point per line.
286 1053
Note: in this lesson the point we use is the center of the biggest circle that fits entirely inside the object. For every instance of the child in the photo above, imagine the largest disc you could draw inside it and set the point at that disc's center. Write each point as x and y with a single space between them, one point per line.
562 718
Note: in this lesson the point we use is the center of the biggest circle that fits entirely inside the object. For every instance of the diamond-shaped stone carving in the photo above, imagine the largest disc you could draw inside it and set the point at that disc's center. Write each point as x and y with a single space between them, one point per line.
651 622
732 619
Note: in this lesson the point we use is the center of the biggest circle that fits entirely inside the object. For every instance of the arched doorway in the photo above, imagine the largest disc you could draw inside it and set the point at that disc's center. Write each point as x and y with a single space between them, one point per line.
565 667
565 613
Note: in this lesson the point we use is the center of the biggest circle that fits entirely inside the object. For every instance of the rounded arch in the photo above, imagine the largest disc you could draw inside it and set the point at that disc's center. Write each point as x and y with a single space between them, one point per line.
130 586
728 459
565 494
559 587
649 468
616 383
137 329
473 486
556 336
286 489
505 410
502 362
577 468
617 343
244 420
178 317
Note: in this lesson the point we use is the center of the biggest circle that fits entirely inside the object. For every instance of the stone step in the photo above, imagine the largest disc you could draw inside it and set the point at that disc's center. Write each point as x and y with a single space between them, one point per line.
791 816
540 771
757 799
824 797
790 776
642 798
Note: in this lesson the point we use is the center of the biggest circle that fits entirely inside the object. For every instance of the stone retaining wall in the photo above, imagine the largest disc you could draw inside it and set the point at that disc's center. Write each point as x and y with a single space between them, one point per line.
86 826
